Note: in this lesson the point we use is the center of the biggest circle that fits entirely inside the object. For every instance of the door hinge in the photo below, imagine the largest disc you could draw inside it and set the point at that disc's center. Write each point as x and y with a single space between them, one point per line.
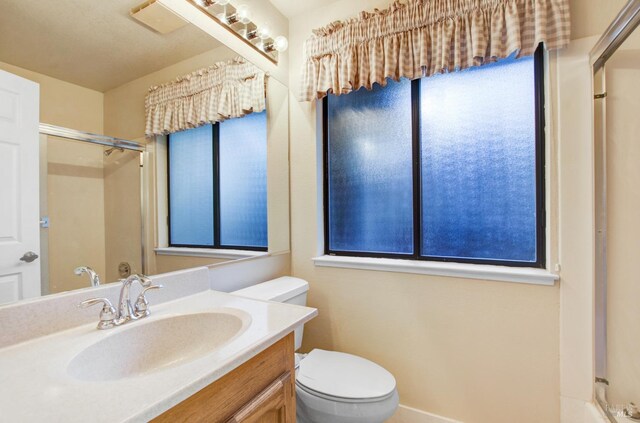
599 96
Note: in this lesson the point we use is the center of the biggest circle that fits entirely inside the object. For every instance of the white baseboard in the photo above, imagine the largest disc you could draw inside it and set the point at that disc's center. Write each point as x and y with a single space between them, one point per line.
406 414
577 411
572 410
593 414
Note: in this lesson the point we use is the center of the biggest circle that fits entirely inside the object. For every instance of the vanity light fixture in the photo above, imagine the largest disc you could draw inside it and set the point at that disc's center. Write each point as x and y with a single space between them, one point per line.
230 19
264 32
243 13
208 3
250 35
280 44
236 18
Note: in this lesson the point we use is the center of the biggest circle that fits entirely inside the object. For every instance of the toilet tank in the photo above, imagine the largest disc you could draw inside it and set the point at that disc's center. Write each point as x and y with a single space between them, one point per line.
286 289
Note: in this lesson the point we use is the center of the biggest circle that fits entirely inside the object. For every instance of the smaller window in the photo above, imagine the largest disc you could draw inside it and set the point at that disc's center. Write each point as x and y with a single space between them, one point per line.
217 177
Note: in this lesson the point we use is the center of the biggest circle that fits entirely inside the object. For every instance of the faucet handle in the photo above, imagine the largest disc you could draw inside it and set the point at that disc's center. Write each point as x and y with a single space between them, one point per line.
107 314
142 304
144 280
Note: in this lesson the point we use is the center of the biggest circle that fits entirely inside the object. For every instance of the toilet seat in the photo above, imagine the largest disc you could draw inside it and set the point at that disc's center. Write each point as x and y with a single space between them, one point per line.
333 398
343 377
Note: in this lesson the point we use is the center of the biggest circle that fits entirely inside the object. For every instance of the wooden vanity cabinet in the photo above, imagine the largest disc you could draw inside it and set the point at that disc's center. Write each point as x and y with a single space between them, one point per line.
262 390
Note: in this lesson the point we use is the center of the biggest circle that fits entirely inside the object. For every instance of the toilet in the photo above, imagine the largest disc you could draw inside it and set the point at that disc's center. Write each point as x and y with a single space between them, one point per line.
331 386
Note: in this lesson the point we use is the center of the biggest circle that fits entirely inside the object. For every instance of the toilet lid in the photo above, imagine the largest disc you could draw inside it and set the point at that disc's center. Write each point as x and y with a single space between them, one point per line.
344 376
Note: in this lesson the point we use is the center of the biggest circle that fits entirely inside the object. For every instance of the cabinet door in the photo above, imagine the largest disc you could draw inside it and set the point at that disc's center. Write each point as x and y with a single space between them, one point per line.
273 405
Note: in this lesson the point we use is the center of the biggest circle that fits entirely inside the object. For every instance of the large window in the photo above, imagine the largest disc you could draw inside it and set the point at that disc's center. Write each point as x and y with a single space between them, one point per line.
446 168
218 185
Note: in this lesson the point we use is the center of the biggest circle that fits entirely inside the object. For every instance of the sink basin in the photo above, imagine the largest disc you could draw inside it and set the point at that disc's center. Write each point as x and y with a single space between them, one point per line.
147 346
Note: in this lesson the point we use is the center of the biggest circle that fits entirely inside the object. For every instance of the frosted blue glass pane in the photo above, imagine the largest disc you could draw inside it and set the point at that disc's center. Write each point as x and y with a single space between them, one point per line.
478 163
243 181
191 187
370 176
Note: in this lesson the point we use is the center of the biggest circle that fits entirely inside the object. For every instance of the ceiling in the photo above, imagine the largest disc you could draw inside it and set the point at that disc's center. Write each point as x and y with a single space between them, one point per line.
291 8
94 44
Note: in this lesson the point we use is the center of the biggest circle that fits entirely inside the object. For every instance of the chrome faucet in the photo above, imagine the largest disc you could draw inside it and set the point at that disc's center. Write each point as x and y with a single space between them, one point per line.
93 275
125 310
110 316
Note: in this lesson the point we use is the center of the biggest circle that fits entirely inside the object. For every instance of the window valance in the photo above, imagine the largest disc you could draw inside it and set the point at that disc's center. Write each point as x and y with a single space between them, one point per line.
424 37
222 91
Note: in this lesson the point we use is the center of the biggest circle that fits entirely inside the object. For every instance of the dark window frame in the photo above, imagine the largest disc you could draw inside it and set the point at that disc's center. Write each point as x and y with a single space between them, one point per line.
215 139
417 194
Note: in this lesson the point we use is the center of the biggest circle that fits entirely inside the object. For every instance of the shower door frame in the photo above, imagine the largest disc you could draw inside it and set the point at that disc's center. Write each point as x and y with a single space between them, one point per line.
614 36
104 140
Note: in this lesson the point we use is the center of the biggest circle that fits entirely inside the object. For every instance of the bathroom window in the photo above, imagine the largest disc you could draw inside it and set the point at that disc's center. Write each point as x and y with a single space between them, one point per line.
218 185
445 168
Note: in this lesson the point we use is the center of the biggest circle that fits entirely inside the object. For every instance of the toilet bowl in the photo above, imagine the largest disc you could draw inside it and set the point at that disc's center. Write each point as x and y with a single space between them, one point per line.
331 386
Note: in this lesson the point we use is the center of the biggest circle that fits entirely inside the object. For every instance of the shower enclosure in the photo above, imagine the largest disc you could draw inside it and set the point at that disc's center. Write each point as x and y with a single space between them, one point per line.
90 207
616 85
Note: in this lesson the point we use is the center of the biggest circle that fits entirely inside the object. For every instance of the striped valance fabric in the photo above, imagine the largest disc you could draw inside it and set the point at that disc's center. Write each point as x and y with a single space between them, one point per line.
423 37
222 91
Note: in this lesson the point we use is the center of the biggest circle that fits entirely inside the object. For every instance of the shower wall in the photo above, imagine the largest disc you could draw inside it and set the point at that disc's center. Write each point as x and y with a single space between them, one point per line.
122 217
76 210
623 225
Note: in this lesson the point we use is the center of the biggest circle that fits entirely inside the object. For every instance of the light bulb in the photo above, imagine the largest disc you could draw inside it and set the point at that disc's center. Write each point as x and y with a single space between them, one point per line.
264 32
243 13
222 16
281 43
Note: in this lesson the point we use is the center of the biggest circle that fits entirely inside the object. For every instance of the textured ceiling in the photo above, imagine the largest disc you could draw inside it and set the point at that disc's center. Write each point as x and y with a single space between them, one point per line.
95 44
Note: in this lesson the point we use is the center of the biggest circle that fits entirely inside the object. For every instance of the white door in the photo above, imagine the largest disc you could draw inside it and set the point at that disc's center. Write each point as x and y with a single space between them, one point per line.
19 184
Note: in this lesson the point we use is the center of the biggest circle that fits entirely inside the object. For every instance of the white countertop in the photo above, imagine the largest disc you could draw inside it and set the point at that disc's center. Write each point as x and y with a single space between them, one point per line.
36 387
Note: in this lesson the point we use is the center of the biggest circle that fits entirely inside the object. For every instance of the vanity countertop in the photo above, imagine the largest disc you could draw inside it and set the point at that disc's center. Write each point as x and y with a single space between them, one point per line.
36 384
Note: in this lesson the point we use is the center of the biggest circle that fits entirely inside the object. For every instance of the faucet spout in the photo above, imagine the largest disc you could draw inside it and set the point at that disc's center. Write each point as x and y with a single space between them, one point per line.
93 275
125 309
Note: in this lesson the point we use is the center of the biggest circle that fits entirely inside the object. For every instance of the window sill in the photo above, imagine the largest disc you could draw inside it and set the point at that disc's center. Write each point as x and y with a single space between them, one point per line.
207 252
456 270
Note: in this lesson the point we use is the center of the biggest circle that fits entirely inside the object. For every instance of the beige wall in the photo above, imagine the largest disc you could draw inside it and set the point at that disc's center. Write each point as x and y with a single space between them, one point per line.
65 104
122 213
623 230
166 264
124 105
591 17
278 166
571 118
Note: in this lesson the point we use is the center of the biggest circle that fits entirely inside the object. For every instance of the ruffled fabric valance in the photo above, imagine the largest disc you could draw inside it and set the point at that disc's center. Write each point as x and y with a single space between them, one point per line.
222 91
425 37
